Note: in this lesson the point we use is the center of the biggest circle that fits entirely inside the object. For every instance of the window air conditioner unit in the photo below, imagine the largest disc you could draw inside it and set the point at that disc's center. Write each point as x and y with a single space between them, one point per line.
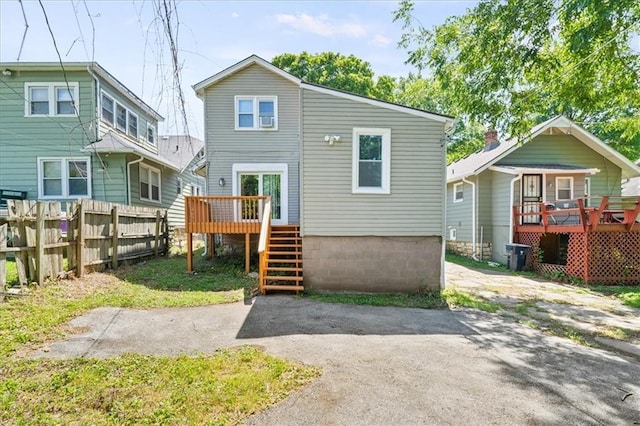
266 121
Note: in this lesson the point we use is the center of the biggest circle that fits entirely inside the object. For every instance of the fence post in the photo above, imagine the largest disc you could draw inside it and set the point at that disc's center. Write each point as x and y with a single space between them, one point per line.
114 236
157 234
39 251
80 245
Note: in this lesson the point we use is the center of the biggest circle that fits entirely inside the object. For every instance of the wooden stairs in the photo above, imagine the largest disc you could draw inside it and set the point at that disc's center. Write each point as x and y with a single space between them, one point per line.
282 265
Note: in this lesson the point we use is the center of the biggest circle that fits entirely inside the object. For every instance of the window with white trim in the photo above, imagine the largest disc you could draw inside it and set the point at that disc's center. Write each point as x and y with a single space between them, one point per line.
149 183
64 177
196 190
133 124
256 113
151 134
564 188
458 192
371 168
179 186
51 99
121 118
587 191
108 105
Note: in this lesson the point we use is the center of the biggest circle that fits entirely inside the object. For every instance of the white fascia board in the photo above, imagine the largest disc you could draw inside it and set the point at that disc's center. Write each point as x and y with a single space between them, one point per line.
515 170
375 102
253 59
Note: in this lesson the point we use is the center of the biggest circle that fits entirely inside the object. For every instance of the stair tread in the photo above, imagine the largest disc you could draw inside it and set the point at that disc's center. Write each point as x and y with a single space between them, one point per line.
285 260
283 269
282 278
283 287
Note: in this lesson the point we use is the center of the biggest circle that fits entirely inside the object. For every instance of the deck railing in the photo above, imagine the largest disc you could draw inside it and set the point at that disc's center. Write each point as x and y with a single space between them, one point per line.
263 244
224 214
615 213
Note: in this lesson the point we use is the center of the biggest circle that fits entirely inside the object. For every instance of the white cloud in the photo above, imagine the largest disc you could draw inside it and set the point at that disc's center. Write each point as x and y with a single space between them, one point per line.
235 15
321 25
380 40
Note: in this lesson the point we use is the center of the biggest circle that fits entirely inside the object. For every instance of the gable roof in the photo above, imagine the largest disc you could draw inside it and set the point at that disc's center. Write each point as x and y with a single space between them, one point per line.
91 67
180 149
255 59
480 161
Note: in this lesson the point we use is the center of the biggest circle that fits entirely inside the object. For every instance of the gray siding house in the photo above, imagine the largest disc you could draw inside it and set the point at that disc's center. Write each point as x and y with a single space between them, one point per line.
556 163
74 131
363 179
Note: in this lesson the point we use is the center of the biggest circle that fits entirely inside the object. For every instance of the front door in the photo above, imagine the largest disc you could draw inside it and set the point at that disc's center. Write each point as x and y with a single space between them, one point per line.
264 179
531 197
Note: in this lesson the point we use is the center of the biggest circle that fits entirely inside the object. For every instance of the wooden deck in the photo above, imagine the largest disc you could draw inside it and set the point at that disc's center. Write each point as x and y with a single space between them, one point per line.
615 214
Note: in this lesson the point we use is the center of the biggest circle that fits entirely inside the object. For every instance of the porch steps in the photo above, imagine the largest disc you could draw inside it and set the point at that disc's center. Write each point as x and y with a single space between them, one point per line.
283 270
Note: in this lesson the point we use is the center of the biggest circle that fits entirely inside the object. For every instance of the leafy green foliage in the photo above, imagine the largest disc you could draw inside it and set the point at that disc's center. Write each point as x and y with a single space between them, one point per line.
338 71
512 64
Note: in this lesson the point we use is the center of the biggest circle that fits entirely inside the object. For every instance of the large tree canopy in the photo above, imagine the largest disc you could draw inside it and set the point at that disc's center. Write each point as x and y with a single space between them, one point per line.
511 64
338 71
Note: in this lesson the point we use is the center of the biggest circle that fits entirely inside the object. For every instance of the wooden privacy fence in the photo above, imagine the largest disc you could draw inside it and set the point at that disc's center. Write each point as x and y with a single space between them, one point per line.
92 234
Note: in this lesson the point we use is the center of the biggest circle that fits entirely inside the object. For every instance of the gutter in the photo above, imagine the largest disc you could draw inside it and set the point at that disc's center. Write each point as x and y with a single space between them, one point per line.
129 177
473 217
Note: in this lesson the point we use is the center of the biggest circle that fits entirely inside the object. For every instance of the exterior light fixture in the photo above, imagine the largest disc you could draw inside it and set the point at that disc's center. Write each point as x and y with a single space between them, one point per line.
221 181
332 139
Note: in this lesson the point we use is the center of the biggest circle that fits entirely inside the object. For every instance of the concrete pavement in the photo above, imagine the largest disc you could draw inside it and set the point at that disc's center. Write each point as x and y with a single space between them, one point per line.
388 365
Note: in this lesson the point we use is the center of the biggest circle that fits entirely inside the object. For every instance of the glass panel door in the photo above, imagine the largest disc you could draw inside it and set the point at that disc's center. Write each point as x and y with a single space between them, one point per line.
271 186
266 184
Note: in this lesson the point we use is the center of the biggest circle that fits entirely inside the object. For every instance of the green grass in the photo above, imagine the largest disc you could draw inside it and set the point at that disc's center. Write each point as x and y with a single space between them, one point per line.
476 264
629 295
430 300
12 271
456 298
223 388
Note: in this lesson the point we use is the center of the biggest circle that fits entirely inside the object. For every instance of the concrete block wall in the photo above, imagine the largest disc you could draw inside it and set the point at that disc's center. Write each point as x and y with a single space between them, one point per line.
372 264
465 248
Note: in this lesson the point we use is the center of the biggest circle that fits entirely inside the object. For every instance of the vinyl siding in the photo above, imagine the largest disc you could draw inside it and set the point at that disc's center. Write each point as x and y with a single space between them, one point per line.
226 146
485 195
176 208
567 150
415 205
459 214
23 139
500 183
110 182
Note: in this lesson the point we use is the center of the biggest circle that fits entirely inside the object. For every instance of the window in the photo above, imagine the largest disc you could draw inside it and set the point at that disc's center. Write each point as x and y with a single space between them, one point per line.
149 183
196 190
107 109
64 178
458 192
121 118
564 188
133 124
587 191
56 99
256 113
371 161
266 179
151 135
179 186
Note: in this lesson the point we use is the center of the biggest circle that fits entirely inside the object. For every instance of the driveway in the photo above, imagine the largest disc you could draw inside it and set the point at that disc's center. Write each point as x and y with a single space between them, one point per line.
388 365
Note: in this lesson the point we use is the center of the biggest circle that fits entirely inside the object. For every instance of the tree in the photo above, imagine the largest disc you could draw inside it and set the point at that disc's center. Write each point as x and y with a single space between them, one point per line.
514 64
338 71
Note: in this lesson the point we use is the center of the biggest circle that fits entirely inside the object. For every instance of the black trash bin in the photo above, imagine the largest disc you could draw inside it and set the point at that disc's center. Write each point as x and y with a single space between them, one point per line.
517 255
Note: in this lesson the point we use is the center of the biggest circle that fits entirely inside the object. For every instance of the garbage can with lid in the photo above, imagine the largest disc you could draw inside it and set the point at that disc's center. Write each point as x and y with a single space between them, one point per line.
517 255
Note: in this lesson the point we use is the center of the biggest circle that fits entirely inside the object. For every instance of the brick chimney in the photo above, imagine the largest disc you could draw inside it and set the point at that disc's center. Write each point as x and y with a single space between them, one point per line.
491 140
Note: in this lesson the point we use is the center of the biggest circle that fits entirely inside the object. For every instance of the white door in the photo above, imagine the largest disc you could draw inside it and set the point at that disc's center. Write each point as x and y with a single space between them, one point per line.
266 180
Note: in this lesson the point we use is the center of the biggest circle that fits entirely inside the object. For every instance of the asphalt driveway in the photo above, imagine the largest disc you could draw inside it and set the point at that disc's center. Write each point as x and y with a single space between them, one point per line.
388 365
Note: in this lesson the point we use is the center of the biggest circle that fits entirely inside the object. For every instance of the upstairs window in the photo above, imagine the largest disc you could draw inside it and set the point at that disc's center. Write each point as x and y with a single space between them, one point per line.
458 192
121 118
107 109
51 99
133 125
149 183
256 113
151 135
371 172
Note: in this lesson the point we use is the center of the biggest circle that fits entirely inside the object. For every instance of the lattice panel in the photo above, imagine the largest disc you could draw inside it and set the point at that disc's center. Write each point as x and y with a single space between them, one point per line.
614 257
531 239
550 268
576 256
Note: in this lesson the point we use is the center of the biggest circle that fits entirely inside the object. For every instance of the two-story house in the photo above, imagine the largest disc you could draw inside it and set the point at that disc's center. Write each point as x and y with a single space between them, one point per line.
361 180
74 131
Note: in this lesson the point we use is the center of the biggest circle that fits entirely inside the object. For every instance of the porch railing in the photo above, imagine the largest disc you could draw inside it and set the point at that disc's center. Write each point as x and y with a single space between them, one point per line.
578 215
263 244
224 214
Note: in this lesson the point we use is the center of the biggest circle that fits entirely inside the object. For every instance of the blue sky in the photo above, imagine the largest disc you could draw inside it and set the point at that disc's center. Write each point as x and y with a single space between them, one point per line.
212 36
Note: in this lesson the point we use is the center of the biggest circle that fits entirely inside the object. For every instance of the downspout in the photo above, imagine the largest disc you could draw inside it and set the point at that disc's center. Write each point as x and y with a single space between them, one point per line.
129 177
473 217
511 201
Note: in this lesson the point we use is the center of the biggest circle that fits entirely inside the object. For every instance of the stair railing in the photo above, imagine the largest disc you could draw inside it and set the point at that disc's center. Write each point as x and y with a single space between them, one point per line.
263 243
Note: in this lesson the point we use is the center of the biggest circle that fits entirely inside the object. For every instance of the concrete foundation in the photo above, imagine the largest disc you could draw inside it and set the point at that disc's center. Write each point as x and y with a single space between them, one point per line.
372 264
465 248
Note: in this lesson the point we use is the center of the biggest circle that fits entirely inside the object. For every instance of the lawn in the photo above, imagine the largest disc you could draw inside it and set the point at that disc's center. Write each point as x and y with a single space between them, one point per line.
221 388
